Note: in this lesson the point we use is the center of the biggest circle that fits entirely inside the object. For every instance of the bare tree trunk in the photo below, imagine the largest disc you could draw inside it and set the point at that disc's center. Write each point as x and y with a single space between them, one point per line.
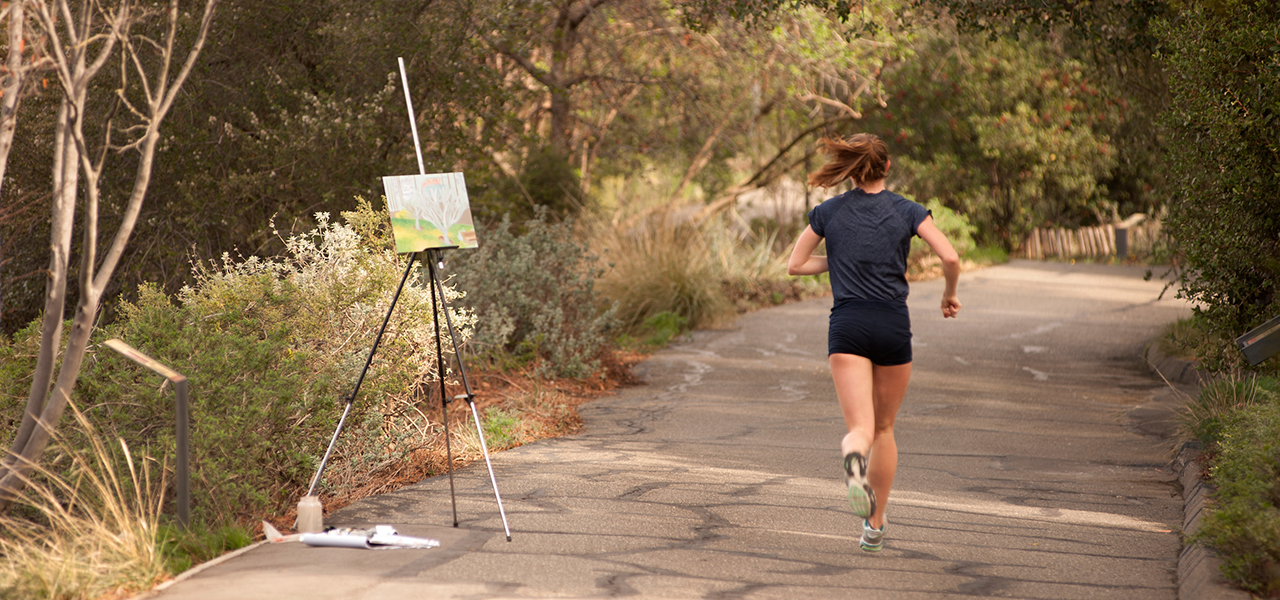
45 407
74 74
16 76
768 173
65 182
703 156
556 76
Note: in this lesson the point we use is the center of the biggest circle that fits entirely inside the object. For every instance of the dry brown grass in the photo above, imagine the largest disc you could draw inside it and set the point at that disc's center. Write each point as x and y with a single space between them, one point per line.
705 270
89 537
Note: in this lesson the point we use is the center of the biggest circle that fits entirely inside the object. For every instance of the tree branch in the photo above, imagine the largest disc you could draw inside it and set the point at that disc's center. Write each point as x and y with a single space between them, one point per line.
577 14
757 179
538 74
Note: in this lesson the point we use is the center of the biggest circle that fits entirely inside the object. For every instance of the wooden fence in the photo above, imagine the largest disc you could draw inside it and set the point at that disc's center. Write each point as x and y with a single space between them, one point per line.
1089 242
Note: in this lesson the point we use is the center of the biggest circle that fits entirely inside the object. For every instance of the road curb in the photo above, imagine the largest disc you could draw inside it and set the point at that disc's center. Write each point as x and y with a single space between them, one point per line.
1199 573
1172 368
195 570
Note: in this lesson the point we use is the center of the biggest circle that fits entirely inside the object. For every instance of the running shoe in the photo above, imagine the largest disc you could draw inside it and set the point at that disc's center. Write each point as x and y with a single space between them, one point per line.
872 538
861 499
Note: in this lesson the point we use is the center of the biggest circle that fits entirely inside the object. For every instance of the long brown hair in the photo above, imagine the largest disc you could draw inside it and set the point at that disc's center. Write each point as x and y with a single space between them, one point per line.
862 158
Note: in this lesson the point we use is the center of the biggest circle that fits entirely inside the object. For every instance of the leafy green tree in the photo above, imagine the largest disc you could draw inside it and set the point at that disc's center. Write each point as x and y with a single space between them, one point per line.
1113 41
1224 148
1013 135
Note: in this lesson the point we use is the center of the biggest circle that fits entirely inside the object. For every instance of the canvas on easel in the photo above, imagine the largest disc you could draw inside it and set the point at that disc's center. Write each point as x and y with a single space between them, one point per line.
429 211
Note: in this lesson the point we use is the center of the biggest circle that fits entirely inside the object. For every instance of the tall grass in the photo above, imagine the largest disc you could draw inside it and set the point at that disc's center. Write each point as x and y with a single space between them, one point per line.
1205 415
657 266
665 258
89 534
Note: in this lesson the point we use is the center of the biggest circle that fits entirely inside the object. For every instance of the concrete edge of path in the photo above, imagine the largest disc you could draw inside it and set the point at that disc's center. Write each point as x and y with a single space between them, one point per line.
1172 368
195 570
1199 573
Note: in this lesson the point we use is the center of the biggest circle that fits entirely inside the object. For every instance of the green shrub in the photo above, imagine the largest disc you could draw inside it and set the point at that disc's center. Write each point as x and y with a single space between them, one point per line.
534 293
664 326
502 428
270 347
1205 417
987 255
1222 129
951 223
1244 521
184 548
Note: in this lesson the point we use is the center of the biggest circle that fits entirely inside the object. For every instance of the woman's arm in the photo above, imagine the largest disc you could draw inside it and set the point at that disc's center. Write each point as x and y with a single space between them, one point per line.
802 261
950 264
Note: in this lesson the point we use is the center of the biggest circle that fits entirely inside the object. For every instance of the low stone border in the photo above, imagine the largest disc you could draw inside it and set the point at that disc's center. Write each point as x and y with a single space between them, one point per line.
1199 576
193 571
1172 368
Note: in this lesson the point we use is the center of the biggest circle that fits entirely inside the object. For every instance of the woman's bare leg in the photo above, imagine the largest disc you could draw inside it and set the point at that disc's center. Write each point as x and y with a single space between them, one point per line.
853 378
889 387
870 396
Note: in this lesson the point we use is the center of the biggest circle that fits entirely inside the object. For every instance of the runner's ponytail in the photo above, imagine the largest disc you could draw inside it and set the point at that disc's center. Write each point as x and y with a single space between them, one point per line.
862 158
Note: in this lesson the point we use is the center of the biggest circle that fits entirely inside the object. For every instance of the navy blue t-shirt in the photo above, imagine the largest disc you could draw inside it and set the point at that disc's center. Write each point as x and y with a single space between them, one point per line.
868 240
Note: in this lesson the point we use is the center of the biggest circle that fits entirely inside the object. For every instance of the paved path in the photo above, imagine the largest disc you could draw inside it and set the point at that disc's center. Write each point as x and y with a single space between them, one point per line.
1021 475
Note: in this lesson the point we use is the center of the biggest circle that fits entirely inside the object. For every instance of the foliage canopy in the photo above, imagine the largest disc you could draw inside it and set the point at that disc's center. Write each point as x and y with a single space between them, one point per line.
1224 151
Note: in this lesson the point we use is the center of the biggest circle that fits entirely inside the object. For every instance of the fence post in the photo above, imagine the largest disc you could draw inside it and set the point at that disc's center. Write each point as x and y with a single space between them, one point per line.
1122 234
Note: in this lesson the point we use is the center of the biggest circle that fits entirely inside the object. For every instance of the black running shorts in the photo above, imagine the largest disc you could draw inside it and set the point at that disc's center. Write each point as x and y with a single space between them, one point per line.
877 330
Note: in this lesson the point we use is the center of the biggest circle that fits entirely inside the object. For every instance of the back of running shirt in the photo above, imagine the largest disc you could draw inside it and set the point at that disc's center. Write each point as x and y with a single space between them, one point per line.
868 239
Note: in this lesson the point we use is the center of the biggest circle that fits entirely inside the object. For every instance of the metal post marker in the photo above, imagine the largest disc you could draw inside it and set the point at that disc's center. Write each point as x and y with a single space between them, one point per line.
1261 343
182 419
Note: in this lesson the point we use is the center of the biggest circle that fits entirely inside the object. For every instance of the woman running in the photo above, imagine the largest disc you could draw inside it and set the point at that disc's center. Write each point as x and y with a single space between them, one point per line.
868 233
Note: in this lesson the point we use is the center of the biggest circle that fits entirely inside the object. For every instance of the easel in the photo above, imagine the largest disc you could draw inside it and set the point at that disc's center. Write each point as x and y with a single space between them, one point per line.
438 307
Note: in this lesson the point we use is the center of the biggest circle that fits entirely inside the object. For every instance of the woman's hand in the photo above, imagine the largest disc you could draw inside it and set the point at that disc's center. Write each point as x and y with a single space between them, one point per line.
950 306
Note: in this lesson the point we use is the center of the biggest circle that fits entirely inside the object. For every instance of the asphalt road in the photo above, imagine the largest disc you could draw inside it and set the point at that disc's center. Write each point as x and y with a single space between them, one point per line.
1022 472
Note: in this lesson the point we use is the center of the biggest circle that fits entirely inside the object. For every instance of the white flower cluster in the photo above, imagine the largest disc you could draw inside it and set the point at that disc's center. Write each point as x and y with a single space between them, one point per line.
343 290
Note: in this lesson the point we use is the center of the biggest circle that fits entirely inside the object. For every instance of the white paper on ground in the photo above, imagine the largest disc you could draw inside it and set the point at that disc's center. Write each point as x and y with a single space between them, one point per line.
380 537
335 540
